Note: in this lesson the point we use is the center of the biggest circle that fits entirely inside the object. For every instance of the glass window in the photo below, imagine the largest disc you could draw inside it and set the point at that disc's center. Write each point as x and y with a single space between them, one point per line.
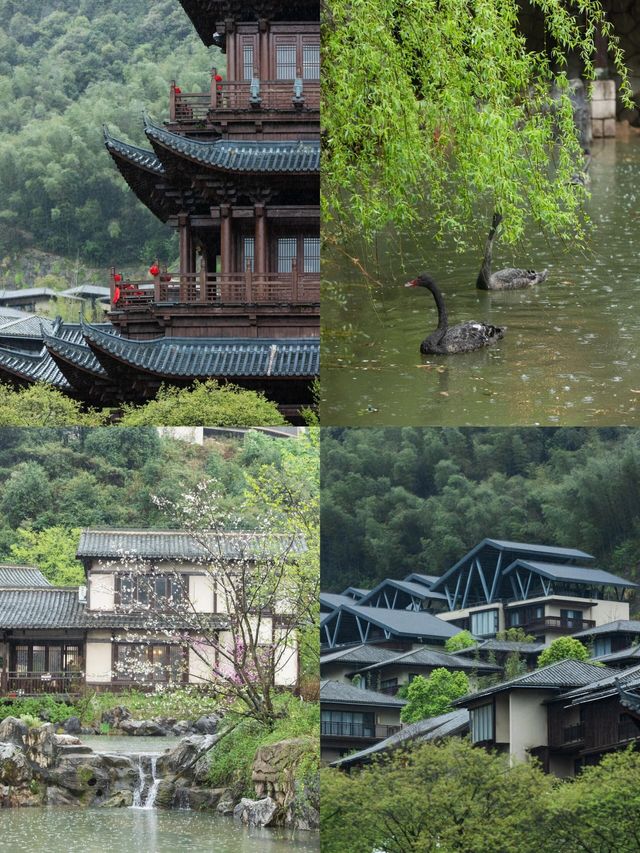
287 251
484 623
39 659
22 659
248 253
311 61
71 658
55 659
311 254
602 646
481 723
286 62
247 62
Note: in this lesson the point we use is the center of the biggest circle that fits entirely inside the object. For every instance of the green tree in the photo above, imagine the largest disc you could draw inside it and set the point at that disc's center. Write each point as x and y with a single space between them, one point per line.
53 551
429 697
564 648
43 405
462 640
205 403
27 493
447 108
515 635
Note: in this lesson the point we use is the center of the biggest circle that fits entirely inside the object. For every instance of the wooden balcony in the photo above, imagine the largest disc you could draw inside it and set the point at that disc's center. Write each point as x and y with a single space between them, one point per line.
357 730
558 624
234 96
573 734
19 684
246 288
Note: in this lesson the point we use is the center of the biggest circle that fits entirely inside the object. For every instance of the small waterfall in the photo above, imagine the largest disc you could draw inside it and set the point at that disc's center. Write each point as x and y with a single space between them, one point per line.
181 800
144 796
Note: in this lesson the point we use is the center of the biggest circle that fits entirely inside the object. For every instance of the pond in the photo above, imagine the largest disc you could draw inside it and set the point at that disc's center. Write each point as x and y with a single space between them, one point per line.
63 830
129 745
570 355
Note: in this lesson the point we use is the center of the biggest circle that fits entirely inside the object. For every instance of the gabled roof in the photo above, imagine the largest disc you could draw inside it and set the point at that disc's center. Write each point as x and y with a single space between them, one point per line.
333 599
432 658
555 676
504 646
21 293
416 590
402 623
605 686
21 576
417 577
355 592
618 626
30 326
573 574
445 725
630 654
73 352
31 367
363 654
41 608
171 545
87 290
339 692
240 156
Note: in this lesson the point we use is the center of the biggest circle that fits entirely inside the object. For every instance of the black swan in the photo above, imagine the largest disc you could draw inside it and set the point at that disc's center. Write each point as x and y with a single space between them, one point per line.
509 279
462 338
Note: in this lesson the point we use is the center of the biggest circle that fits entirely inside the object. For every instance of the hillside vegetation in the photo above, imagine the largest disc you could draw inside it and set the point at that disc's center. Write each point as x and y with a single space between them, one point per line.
66 69
396 501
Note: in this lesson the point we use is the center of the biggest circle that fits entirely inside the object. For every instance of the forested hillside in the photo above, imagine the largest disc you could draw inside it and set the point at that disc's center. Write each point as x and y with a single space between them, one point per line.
67 68
55 482
402 500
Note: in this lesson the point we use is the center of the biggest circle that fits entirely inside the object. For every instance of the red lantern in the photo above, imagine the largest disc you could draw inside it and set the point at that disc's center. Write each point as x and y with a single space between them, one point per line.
218 78
177 90
117 277
154 269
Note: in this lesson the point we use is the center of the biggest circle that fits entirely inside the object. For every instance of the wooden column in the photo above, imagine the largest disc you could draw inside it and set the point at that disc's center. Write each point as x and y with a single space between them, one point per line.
184 233
226 263
260 253
263 47
230 34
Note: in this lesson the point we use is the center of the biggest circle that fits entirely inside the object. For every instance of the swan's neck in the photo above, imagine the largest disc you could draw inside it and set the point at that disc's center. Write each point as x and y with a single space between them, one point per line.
443 323
484 276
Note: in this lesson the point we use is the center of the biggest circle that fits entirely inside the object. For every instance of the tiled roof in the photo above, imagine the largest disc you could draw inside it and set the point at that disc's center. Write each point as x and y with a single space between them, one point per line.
415 589
604 686
503 646
7 314
41 608
619 626
26 327
169 544
355 592
631 653
138 156
170 622
211 357
20 293
17 576
294 157
333 599
363 654
425 580
407 623
341 692
577 574
32 367
87 290
430 657
453 723
562 675
74 352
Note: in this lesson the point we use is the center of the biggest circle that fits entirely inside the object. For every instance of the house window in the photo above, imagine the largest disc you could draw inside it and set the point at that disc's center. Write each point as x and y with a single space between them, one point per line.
602 646
143 591
287 251
348 724
286 62
49 657
248 253
484 623
572 618
482 723
153 662
389 685
311 255
311 61
247 62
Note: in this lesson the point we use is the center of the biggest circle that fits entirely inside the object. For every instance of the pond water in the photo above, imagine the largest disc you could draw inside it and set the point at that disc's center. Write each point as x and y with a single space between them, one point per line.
63 830
129 745
570 355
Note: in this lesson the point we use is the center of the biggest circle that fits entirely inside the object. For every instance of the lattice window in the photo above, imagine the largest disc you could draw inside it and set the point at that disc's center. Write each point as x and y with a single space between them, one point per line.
248 253
22 659
247 62
286 62
311 61
287 251
311 255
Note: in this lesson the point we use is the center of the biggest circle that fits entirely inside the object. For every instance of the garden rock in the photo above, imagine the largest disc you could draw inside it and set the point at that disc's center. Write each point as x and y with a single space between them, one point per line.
142 728
207 725
181 760
257 812
275 767
303 812
14 767
226 803
72 726
13 730
114 716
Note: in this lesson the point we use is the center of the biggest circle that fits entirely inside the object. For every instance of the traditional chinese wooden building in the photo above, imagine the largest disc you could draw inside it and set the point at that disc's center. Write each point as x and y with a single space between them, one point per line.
235 171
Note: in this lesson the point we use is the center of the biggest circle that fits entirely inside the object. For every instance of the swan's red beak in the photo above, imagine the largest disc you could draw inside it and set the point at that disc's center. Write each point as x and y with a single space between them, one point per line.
412 283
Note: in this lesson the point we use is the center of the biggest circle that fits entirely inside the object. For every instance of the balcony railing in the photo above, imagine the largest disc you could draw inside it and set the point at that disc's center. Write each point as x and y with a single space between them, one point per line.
218 289
558 623
573 734
357 730
242 96
34 683
628 730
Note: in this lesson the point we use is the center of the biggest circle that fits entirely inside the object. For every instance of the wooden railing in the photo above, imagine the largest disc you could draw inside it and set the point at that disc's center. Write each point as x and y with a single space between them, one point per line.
572 734
242 95
558 623
357 730
35 683
218 289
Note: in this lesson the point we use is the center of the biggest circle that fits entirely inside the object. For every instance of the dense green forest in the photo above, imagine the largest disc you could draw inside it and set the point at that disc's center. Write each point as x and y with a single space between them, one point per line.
401 500
66 69
54 482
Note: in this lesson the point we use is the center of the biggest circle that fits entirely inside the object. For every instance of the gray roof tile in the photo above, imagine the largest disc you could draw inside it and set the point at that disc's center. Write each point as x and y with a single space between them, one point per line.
26 327
138 156
41 608
363 654
32 367
21 576
577 574
341 692
404 622
430 657
619 626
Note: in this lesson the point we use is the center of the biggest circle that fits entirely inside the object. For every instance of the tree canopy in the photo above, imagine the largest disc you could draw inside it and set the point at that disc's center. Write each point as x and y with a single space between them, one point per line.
444 108
563 648
432 696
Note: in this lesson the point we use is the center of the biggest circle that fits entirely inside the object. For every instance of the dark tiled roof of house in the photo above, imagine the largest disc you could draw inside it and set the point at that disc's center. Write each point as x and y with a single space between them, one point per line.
432 658
291 157
333 599
364 654
21 576
630 654
20 293
503 646
619 626
30 326
41 608
445 725
406 623
74 352
417 590
170 545
605 685
138 156
209 357
577 574
340 692
32 367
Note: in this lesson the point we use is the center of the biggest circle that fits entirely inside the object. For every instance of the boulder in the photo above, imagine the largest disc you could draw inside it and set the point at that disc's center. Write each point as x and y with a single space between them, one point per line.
303 811
182 759
82 774
72 726
142 728
181 728
68 740
165 794
275 767
263 812
199 798
119 800
207 725
42 745
115 715
226 803
13 730
56 796
15 770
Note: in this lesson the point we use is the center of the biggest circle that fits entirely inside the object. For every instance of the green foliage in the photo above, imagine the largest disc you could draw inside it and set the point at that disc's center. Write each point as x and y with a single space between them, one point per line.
65 71
205 403
445 798
564 648
37 708
231 761
463 640
30 721
53 551
515 635
43 405
185 703
448 108
432 696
